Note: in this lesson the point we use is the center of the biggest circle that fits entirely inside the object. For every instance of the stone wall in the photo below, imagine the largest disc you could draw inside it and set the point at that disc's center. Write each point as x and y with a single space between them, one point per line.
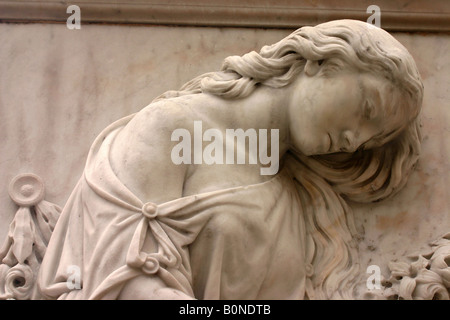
59 88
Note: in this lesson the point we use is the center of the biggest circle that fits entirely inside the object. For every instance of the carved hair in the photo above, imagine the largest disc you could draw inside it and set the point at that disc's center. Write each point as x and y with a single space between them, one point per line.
377 170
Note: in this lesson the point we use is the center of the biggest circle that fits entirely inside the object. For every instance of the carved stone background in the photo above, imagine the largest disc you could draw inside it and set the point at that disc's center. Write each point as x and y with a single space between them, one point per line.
59 88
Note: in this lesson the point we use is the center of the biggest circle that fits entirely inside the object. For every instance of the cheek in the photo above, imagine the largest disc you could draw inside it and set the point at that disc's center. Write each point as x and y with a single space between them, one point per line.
367 132
309 141
295 131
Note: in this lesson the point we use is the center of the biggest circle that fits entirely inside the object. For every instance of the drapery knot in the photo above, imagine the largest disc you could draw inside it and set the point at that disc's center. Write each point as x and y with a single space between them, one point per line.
151 265
150 210
166 255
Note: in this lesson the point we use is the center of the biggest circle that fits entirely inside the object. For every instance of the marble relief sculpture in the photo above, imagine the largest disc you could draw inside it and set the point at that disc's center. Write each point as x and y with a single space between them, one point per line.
344 100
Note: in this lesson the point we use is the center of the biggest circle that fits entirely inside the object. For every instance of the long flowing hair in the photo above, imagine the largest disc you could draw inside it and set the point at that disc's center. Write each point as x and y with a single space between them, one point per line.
375 171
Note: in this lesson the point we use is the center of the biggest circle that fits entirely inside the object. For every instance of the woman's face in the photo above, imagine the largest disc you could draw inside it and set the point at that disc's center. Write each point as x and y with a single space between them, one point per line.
335 114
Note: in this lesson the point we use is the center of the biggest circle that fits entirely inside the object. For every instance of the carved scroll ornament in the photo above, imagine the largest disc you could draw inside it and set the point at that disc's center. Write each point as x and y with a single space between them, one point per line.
27 239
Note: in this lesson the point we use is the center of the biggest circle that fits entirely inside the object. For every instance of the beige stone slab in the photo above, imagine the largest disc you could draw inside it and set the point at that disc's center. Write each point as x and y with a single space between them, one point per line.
59 88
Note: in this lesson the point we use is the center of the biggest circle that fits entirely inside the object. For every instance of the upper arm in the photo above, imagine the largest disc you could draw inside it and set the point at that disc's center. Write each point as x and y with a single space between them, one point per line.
141 154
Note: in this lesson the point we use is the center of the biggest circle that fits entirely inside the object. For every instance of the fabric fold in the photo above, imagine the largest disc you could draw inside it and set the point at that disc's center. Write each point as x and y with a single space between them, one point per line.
243 242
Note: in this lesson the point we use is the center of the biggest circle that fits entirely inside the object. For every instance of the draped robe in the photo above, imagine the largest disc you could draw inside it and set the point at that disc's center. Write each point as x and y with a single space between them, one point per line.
246 242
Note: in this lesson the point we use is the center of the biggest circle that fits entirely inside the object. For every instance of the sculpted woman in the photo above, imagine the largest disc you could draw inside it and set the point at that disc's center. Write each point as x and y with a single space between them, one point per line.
344 99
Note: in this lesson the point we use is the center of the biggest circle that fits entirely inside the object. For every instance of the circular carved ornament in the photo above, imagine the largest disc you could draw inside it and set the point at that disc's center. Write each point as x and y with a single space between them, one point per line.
26 189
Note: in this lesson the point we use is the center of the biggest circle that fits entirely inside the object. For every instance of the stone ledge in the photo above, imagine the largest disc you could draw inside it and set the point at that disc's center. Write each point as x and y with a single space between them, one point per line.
400 15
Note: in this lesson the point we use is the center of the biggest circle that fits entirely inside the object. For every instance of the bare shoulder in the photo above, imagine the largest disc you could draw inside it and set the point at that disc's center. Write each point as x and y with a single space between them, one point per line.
147 137
161 118
140 154
158 118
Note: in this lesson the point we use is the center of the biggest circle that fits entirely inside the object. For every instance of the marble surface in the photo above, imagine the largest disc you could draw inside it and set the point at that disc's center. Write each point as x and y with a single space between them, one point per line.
420 213
59 88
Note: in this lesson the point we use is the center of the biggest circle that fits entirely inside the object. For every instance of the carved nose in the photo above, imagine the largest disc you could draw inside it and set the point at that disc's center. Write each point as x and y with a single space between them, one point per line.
347 141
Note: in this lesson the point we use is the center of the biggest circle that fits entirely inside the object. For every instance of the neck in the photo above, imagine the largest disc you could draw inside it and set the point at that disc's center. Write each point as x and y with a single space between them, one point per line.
266 108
